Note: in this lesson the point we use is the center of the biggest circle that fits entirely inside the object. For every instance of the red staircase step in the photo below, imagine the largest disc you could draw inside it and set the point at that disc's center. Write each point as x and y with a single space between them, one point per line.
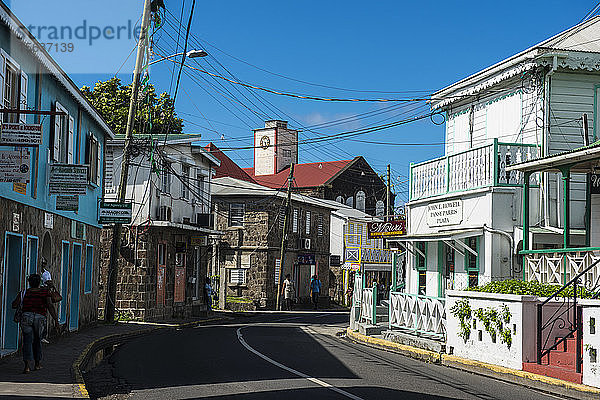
562 359
565 374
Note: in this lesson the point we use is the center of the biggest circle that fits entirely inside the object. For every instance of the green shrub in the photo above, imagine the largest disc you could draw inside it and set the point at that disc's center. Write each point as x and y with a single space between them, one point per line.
520 287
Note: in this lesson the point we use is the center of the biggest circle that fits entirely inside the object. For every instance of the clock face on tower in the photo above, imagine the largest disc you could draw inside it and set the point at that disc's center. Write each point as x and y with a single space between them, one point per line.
265 142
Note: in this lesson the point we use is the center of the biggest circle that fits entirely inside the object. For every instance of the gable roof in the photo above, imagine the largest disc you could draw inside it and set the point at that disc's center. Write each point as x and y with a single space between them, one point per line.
228 167
581 38
305 175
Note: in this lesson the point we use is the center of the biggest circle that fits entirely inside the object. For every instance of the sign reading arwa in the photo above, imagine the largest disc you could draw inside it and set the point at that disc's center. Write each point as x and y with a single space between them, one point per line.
111 213
445 213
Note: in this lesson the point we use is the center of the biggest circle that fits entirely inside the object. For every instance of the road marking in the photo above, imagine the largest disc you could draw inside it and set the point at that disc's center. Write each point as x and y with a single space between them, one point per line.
293 371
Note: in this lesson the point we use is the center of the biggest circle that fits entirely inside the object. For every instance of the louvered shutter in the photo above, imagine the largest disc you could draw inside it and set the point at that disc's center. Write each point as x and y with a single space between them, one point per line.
70 140
2 88
23 97
56 134
98 161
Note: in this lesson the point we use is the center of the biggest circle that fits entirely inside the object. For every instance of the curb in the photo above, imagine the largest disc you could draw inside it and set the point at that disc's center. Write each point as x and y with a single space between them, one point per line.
113 339
528 379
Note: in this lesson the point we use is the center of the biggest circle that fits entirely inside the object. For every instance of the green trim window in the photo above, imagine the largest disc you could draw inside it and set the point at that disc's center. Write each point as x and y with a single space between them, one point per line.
472 261
420 261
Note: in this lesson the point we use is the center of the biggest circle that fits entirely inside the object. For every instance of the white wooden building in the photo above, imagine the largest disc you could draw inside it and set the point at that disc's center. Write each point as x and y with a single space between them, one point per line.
464 214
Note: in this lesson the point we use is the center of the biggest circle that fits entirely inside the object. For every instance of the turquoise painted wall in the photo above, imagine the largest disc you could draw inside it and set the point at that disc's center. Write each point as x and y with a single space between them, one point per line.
52 91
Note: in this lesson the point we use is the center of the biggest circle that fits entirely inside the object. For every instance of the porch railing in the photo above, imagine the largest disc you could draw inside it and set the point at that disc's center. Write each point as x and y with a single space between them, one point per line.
422 314
560 266
366 305
475 168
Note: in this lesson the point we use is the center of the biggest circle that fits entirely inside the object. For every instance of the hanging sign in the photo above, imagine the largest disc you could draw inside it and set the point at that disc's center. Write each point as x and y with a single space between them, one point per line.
445 213
382 229
594 183
14 166
68 179
18 134
114 213
67 203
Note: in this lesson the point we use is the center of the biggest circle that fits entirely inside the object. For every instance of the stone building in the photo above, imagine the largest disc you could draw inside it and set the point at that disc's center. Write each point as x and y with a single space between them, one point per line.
167 248
351 182
35 222
251 219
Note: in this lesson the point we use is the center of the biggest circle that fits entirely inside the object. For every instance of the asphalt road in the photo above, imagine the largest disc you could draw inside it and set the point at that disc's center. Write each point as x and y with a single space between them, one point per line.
280 356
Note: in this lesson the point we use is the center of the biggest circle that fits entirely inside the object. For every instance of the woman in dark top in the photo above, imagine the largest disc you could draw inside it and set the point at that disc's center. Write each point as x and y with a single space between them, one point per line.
36 303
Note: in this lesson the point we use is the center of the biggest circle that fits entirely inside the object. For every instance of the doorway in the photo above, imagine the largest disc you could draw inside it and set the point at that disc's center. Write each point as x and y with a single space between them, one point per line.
75 284
303 281
13 252
32 255
447 263
64 276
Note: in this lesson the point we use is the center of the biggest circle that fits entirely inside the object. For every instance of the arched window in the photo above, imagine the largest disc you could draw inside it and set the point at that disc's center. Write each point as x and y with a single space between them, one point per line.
379 208
350 201
339 199
360 200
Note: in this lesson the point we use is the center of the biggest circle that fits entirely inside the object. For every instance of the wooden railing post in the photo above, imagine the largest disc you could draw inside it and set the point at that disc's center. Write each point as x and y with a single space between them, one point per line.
539 333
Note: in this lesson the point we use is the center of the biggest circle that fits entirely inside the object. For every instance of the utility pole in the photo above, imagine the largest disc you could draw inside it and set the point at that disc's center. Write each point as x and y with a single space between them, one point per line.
113 267
284 236
388 194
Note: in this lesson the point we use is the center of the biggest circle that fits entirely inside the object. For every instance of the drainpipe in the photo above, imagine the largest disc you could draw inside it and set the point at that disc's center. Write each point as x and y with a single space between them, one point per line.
510 242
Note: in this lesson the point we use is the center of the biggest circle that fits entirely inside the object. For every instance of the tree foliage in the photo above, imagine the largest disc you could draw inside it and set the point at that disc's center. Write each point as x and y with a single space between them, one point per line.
155 114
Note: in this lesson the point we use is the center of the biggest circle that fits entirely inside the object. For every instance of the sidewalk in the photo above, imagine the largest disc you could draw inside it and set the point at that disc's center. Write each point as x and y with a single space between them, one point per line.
57 379
528 379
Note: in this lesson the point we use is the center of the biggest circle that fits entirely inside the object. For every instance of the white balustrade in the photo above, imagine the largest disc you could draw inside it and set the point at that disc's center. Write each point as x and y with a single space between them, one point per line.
559 267
423 314
471 169
366 305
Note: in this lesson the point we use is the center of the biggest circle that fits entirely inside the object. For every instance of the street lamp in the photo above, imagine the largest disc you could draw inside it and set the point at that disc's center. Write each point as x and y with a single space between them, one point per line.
189 54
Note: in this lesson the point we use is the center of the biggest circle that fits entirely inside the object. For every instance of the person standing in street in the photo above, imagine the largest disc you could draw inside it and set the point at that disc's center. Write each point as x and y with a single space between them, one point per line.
288 292
208 294
315 289
34 302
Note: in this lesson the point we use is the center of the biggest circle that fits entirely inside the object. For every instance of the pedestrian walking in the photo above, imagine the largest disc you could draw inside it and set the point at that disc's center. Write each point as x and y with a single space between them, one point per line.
288 292
315 289
54 295
32 306
208 292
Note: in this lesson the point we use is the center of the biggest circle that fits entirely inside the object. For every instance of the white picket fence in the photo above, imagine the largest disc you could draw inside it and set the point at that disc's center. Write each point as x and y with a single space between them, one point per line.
422 314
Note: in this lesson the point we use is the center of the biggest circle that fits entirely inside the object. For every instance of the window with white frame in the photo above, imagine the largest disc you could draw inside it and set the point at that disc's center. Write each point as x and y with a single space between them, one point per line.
295 221
237 276
307 222
93 159
14 88
185 180
236 214
62 135
360 200
200 191
165 181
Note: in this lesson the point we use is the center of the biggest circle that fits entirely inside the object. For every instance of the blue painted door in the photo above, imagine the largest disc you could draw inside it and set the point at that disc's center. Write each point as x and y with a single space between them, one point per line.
64 279
12 285
75 281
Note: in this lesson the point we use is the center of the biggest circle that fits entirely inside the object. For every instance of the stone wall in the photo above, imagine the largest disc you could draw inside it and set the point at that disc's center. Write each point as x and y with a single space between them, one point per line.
256 246
138 266
50 241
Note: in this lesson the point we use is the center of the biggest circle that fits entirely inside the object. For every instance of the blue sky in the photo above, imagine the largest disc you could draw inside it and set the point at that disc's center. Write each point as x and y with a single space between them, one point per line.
390 46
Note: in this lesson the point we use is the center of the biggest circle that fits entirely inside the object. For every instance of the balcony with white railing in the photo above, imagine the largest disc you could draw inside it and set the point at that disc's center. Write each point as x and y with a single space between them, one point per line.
479 167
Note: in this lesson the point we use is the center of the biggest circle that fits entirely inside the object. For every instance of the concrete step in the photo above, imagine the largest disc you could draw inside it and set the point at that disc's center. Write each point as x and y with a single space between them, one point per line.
562 359
370 330
566 374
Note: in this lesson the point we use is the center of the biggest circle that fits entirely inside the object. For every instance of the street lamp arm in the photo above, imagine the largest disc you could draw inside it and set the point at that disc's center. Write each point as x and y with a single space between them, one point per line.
190 54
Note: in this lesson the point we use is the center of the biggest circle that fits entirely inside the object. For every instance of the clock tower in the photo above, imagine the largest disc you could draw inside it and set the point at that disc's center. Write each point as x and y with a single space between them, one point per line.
275 148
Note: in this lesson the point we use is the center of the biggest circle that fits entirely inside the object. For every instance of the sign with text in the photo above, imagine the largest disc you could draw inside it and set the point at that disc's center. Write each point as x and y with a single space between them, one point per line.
445 213
67 203
306 259
14 166
594 183
111 213
18 134
68 179
381 229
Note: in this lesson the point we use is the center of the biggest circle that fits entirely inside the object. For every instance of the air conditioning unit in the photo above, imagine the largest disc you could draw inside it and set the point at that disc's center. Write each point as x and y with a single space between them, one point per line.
305 244
186 220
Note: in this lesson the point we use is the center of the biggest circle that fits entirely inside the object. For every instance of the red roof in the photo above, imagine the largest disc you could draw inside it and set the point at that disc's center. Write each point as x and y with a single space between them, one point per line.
227 167
305 175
